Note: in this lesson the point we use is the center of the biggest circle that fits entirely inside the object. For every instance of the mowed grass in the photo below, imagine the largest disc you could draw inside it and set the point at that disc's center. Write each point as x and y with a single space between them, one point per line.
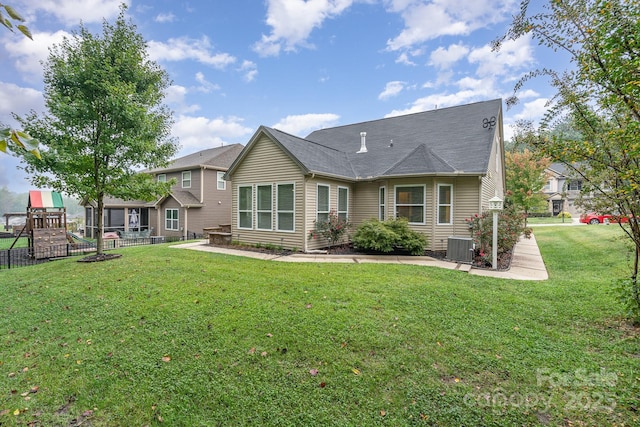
166 336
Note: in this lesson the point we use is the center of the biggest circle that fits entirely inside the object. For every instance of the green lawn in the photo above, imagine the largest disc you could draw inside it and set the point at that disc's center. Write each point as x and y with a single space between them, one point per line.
22 242
175 337
548 220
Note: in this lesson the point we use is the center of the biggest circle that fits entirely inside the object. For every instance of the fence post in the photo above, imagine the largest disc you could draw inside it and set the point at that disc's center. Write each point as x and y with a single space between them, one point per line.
9 259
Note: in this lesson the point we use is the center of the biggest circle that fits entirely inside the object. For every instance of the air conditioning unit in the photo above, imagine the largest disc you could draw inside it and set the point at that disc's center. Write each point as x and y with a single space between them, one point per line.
460 249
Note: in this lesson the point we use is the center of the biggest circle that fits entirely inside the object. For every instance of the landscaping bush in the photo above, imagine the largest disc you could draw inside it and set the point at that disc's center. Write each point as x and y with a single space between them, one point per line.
332 229
388 236
510 228
564 215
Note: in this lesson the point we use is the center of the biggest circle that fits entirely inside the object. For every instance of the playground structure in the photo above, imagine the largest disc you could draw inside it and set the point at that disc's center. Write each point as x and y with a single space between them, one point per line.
46 225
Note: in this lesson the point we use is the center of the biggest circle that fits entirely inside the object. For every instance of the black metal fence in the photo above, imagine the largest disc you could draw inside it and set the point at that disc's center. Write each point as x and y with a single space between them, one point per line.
24 257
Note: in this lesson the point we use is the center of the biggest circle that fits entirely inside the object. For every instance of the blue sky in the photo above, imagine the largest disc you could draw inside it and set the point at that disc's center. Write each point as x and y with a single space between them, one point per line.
291 64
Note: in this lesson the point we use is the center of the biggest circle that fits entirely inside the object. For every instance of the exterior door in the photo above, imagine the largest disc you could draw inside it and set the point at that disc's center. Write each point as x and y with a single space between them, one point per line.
557 206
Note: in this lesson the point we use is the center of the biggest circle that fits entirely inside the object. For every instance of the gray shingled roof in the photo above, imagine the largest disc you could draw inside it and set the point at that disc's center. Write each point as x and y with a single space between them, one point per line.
218 157
445 141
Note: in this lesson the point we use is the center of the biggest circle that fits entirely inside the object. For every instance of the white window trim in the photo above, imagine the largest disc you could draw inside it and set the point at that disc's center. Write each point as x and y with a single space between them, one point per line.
164 177
184 173
278 210
338 211
424 201
220 182
177 219
258 210
382 204
250 210
450 204
318 201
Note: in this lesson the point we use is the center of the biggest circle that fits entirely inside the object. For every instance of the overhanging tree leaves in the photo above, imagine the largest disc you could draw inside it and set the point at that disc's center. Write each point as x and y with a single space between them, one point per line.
105 120
600 97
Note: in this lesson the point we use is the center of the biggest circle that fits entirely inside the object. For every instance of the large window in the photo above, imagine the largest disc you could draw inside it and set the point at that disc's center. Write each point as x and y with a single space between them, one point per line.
186 179
222 184
575 185
285 207
264 207
322 210
410 203
343 203
171 220
445 203
382 203
245 207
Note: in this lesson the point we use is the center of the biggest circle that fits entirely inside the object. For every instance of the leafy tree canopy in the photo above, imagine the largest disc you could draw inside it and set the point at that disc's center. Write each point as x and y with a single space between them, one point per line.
105 120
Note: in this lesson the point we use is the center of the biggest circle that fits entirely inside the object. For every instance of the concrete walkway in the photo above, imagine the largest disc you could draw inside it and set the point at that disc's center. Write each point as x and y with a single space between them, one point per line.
526 263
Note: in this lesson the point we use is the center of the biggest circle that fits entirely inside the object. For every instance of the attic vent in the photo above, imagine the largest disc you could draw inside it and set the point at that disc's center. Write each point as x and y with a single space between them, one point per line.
489 123
363 143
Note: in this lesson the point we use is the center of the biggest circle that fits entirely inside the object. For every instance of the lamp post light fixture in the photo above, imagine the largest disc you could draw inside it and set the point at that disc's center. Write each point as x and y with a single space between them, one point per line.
495 206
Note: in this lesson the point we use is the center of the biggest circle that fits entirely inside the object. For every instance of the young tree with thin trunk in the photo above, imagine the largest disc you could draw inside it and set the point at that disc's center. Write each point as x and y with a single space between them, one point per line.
600 97
105 120
525 175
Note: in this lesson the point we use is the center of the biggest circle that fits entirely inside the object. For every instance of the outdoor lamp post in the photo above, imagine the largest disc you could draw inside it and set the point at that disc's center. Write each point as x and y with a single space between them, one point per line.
495 206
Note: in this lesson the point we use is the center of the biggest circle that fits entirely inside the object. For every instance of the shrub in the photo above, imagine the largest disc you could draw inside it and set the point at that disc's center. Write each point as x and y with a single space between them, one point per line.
564 215
389 235
331 229
510 227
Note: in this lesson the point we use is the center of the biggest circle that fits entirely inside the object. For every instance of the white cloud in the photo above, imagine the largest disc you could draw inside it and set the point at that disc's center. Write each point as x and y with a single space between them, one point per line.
426 21
175 97
513 55
205 85
72 12
533 110
250 70
184 48
199 133
391 89
441 100
292 22
19 100
165 17
305 123
29 55
445 58
403 58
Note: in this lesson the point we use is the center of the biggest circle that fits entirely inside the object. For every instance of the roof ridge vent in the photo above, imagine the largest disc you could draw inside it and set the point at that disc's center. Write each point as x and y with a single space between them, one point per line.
363 143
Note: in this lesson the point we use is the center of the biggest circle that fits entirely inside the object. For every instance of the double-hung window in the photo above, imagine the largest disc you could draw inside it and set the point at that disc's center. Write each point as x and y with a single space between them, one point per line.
410 203
162 177
445 203
285 207
186 179
343 203
264 207
322 210
245 207
171 219
222 184
382 203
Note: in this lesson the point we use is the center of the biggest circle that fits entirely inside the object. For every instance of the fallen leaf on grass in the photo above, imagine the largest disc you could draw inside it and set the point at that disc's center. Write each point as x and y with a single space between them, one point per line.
252 350
313 372
166 359
356 371
383 413
322 385
263 354
269 335
307 306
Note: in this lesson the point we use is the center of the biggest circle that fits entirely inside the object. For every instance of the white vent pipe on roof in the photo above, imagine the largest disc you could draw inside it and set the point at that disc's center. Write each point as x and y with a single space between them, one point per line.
363 143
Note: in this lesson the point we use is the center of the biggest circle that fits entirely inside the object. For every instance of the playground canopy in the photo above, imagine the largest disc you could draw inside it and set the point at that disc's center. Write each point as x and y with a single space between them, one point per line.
45 200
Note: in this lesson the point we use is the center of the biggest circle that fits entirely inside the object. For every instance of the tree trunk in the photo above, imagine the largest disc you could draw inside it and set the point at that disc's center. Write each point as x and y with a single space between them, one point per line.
100 227
635 292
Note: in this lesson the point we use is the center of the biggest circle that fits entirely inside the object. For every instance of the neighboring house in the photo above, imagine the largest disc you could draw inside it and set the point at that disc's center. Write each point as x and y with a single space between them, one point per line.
435 168
200 198
561 190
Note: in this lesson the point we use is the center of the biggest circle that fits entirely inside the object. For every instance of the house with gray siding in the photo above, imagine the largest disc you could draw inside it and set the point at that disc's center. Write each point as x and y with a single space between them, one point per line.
434 168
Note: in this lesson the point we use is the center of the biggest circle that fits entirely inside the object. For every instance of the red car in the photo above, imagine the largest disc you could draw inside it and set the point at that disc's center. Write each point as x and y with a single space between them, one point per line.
594 218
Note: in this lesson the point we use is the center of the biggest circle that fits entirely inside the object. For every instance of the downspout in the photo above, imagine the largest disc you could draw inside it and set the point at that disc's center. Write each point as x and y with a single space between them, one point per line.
186 223
202 169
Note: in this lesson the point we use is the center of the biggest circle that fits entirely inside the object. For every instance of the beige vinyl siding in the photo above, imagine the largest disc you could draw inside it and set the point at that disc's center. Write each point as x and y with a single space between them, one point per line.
465 204
311 202
365 201
267 164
